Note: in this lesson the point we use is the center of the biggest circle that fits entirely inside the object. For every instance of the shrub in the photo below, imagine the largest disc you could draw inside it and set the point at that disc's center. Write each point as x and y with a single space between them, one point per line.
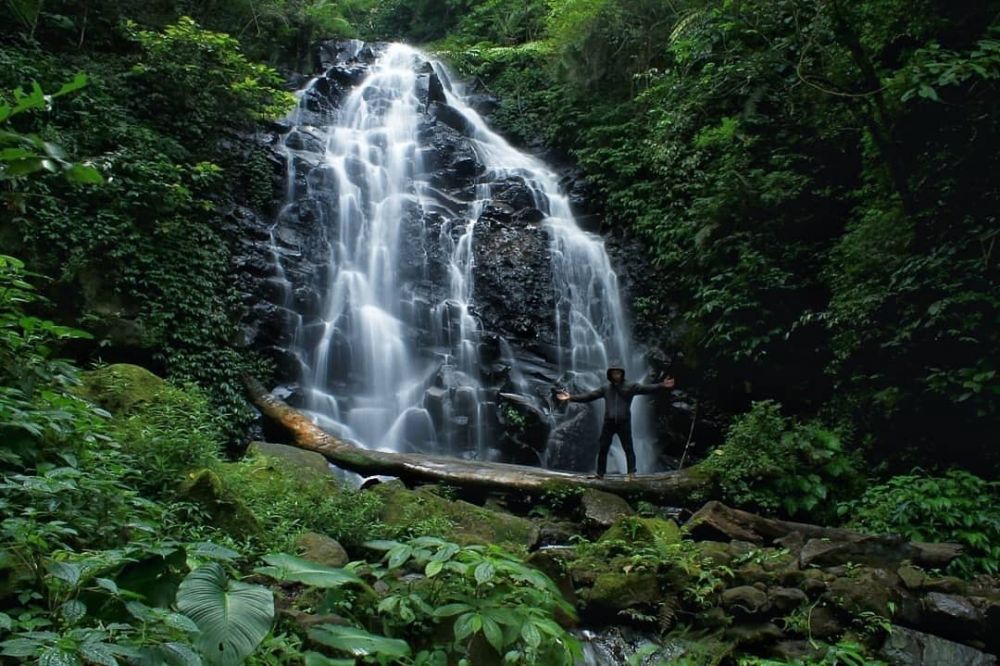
776 464
286 503
198 83
957 506
167 430
473 594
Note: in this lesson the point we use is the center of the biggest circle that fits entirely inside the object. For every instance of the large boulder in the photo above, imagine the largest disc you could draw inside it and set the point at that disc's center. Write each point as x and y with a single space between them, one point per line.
523 421
745 600
954 616
513 279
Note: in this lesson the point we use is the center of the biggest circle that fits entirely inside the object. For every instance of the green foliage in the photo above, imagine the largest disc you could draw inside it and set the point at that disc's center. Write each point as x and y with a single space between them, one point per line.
297 570
557 498
503 22
88 564
232 617
604 44
513 418
286 504
360 643
632 548
775 464
530 105
934 68
199 82
417 20
167 430
151 263
956 507
270 30
22 155
475 592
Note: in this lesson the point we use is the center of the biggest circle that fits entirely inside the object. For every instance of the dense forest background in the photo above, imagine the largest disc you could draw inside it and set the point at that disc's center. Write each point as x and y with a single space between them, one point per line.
815 184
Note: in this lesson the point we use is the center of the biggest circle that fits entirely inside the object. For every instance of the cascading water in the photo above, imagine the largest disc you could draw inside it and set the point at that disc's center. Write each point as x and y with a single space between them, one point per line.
392 356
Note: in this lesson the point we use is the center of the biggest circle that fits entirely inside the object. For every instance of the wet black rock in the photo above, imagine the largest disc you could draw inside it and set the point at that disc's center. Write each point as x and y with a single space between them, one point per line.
450 116
514 294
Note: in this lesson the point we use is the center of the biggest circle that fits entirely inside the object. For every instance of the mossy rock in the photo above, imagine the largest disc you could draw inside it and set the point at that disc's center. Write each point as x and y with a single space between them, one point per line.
717 553
322 549
293 459
553 563
652 531
709 650
122 388
457 520
867 589
603 509
614 592
228 511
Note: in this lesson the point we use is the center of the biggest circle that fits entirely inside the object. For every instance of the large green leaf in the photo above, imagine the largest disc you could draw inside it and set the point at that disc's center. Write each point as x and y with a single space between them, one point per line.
55 656
317 659
359 642
233 617
290 568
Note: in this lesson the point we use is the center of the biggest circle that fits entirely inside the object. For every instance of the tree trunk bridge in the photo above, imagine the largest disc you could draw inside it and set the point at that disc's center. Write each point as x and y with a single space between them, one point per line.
676 486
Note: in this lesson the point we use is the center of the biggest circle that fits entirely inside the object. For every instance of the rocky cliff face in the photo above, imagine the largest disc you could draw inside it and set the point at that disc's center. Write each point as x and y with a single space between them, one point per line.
280 263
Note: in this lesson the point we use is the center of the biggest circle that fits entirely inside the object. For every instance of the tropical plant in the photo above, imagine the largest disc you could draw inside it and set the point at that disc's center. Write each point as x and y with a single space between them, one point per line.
199 82
956 506
232 618
776 464
477 592
22 155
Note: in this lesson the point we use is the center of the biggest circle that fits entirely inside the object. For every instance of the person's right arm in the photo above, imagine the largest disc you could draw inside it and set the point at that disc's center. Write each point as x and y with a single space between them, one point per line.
589 396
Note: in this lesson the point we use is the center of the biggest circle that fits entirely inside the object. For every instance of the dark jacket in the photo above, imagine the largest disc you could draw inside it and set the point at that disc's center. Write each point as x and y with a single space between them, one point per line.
617 397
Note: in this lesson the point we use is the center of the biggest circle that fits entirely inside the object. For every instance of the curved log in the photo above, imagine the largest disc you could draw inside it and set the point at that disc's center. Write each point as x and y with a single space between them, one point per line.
666 486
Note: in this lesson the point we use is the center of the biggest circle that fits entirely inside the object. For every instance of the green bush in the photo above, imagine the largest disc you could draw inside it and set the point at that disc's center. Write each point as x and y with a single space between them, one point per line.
775 464
957 506
465 595
70 520
168 431
197 83
286 504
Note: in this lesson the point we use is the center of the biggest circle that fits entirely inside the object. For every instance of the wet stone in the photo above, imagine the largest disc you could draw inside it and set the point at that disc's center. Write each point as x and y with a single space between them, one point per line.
907 647
603 509
745 599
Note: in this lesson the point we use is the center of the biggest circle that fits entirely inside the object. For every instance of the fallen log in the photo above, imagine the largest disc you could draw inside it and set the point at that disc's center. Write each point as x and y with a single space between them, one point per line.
674 486
816 544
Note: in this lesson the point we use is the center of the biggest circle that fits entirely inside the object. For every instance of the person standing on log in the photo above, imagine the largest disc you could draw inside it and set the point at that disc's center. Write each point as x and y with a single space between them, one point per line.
617 394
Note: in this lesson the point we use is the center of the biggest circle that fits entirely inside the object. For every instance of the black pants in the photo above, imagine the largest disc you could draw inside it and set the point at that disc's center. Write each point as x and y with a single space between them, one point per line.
624 431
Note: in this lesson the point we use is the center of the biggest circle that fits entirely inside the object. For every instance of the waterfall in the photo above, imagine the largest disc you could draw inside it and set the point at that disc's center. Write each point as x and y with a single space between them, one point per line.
392 354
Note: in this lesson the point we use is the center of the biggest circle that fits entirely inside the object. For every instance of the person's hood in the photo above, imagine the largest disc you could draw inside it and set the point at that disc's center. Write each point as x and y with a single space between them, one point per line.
615 365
